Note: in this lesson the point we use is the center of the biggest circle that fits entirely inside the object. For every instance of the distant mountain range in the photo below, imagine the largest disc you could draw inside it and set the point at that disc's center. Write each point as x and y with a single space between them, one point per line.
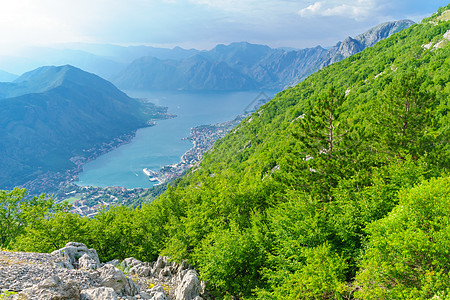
52 118
102 60
6 76
240 66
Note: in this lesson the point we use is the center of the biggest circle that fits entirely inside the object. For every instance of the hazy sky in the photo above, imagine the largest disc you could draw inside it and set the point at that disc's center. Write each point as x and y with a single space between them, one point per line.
198 23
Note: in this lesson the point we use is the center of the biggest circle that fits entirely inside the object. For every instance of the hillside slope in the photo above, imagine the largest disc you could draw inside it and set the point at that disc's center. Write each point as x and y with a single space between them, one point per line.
52 115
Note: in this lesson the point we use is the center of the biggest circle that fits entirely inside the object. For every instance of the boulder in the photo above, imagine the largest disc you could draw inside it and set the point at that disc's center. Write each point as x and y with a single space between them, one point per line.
136 267
116 279
129 262
157 293
51 288
87 262
163 267
159 264
73 251
159 296
114 262
145 295
100 293
189 288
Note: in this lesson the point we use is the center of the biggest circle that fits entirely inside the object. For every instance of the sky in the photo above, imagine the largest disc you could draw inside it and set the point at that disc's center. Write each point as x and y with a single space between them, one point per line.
199 24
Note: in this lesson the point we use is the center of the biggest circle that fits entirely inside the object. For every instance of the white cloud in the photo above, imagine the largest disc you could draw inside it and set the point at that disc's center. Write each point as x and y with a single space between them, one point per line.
354 9
313 9
196 22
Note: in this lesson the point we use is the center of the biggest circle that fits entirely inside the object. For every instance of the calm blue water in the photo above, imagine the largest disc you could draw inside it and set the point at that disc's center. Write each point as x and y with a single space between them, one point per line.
160 145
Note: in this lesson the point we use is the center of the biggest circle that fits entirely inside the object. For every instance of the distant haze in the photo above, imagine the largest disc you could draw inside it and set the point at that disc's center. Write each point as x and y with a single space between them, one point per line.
199 24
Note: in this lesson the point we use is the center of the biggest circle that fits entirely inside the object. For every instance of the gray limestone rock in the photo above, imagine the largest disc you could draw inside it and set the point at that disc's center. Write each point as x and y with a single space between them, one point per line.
163 268
157 293
51 288
114 262
189 288
159 296
87 262
41 276
116 279
100 293
73 251
136 267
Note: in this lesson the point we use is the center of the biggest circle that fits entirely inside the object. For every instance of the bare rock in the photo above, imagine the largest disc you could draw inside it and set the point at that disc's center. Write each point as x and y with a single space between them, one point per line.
114 262
163 268
136 267
73 251
159 296
100 293
190 287
87 262
50 289
116 279
157 293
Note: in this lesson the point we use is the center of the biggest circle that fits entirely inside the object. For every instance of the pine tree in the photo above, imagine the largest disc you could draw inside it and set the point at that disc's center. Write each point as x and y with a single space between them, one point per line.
321 155
402 116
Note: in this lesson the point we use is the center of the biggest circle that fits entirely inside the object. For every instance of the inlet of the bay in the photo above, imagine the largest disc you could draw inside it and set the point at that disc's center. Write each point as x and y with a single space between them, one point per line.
163 144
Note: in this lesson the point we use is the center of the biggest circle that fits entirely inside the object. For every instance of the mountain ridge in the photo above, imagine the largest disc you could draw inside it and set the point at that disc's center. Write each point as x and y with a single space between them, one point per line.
248 66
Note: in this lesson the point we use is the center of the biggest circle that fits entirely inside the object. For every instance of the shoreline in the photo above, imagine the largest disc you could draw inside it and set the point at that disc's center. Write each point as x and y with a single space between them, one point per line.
52 182
203 138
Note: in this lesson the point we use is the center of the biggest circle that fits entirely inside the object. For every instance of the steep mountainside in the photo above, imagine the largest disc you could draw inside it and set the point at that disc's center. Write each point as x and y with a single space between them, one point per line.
194 73
53 114
245 66
292 188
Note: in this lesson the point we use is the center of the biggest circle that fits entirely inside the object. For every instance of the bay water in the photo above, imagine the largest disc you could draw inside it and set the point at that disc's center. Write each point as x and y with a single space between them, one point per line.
163 144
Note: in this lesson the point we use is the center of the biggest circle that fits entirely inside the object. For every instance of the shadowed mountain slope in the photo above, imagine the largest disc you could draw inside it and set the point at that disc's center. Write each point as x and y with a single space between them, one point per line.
52 114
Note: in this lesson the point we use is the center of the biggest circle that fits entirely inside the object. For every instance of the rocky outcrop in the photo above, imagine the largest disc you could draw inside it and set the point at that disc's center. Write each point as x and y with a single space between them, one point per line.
75 272
190 287
51 288
351 46
77 255
116 279
100 293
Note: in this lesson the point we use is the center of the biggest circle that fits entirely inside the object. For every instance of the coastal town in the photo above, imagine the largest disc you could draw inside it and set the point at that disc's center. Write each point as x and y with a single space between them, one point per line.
88 200
203 138
56 180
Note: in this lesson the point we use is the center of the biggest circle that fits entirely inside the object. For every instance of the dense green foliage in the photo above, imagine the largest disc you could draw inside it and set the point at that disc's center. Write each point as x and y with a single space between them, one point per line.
407 254
18 212
336 189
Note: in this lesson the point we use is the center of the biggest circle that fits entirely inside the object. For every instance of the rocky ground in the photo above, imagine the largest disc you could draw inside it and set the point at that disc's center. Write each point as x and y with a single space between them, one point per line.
74 272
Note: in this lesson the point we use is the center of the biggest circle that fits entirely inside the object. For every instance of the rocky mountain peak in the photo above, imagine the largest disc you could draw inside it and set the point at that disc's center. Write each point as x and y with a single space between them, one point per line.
351 46
382 31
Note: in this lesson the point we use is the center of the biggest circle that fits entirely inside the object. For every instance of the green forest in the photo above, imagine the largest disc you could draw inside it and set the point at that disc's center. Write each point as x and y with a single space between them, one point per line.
338 188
